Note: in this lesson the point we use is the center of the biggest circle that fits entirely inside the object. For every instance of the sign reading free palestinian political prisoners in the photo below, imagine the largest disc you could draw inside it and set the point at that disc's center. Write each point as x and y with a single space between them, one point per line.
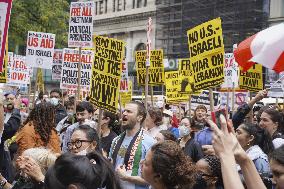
252 79
57 64
69 73
206 50
156 69
40 50
5 11
105 83
81 24
172 81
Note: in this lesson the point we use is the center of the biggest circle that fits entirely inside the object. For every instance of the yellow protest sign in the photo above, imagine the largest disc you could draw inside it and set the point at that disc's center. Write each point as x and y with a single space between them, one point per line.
206 50
106 72
252 79
172 85
156 69
185 76
126 97
39 80
3 74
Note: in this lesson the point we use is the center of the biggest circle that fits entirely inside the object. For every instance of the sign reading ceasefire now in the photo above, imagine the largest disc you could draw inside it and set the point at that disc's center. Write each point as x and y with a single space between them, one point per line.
206 50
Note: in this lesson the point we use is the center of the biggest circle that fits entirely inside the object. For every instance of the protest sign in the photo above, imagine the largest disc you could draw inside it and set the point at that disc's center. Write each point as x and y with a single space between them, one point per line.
3 74
124 77
252 79
239 99
57 64
206 50
126 97
69 73
81 24
105 83
204 99
231 72
40 50
172 81
73 92
185 75
5 11
156 69
18 73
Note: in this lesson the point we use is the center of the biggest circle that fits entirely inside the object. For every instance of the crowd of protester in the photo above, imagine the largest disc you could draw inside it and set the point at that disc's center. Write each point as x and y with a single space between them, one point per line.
59 142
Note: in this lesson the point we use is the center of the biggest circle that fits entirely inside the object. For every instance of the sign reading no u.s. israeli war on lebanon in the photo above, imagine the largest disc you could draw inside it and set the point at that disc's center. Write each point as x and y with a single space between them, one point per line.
206 53
156 69
105 83
81 24
252 79
40 49
69 73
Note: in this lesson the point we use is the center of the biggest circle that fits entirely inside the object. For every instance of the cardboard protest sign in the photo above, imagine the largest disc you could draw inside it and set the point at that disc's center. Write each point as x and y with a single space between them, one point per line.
69 73
57 64
3 74
204 99
206 50
124 77
5 11
105 83
231 72
252 79
18 70
172 81
40 50
156 69
185 75
81 24
126 97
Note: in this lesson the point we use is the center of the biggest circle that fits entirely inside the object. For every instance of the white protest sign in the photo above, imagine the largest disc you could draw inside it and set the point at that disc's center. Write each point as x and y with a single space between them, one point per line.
40 49
69 73
57 64
231 70
124 77
18 70
81 24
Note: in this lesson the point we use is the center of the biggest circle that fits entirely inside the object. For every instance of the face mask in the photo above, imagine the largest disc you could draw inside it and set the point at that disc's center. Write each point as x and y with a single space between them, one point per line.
54 101
183 131
70 114
83 152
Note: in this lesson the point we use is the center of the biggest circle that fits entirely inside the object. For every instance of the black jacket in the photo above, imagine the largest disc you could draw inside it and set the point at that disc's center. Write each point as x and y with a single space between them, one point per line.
10 129
60 113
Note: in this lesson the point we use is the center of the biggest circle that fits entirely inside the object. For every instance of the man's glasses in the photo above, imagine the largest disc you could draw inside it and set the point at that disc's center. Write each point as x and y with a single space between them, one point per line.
77 144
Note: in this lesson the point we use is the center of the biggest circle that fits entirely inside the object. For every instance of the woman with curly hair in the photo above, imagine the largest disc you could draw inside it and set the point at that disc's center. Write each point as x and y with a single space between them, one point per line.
39 130
167 167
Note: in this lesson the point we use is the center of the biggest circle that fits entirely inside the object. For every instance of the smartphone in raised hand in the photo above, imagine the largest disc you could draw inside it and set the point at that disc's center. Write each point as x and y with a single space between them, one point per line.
216 116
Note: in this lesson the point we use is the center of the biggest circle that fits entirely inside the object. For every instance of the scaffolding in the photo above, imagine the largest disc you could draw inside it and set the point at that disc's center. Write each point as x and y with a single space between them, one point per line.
240 19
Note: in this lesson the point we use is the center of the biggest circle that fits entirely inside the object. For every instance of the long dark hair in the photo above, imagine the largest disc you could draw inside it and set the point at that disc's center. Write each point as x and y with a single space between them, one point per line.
278 117
261 136
176 169
42 117
86 172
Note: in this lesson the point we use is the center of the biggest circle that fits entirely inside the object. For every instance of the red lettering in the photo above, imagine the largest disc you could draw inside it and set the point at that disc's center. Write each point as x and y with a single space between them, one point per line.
87 11
75 11
21 76
32 41
123 85
46 43
123 66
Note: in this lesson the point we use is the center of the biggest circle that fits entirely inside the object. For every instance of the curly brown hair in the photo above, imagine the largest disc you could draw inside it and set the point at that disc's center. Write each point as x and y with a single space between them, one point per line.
176 169
43 119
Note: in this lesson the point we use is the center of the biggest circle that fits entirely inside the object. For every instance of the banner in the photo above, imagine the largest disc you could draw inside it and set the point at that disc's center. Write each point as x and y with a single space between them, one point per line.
18 73
69 73
172 81
206 50
156 69
5 11
231 72
40 50
124 77
81 24
57 64
252 80
126 97
204 99
3 74
109 54
185 75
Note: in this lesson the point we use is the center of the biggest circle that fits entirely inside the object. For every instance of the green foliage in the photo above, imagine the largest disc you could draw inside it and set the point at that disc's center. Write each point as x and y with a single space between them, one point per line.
50 16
